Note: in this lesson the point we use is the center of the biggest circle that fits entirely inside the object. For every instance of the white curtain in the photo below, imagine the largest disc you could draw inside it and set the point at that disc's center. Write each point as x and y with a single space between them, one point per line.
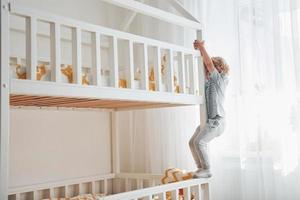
258 155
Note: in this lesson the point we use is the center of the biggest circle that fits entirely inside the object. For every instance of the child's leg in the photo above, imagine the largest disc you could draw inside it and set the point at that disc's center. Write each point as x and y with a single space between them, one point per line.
212 129
193 146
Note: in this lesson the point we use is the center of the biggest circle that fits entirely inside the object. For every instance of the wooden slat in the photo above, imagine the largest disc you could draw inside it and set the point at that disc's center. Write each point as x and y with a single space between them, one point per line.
115 63
31 46
96 58
157 69
76 55
55 52
192 74
145 70
181 71
170 72
131 65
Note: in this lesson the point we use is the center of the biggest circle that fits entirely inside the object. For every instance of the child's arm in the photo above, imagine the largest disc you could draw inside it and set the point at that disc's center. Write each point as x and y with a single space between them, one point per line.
206 58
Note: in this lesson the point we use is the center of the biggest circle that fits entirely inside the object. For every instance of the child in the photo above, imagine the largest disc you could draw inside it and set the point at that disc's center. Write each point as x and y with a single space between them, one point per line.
216 82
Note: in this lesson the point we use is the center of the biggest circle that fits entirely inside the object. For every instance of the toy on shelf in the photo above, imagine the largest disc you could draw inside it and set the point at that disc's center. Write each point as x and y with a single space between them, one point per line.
173 175
151 79
21 72
122 83
40 71
68 72
85 79
164 65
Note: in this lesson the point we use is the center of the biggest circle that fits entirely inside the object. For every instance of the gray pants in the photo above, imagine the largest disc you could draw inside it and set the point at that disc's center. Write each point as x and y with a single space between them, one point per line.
198 143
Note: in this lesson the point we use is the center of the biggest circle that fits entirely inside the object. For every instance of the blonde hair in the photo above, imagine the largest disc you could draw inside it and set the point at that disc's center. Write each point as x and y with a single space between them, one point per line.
220 62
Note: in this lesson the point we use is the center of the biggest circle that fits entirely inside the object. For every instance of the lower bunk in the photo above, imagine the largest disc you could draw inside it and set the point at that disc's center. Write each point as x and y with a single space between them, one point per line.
122 186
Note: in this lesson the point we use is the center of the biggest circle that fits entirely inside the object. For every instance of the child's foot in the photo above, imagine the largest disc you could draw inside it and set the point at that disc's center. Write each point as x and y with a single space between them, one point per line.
202 173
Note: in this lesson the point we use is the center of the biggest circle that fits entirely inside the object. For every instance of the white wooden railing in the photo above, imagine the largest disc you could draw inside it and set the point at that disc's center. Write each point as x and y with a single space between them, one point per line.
188 59
123 186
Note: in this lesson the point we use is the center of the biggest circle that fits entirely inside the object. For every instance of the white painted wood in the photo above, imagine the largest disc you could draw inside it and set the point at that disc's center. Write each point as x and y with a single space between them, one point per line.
31 46
145 69
198 194
180 8
131 66
35 195
157 69
115 143
55 52
155 12
175 194
93 187
192 74
96 58
139 183
181 71
64 183
18 197
201 76
21 9
170 72
76 55
67 192
4 100
164 196
187 193
127 185
115 62
51 193
105 186
26 87
205 191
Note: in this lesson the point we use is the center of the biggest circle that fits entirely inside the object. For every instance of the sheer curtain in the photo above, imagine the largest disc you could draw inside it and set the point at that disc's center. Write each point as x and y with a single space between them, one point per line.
258 155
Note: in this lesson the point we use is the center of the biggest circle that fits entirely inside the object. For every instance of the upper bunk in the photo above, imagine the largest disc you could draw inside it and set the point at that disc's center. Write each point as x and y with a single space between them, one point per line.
71 63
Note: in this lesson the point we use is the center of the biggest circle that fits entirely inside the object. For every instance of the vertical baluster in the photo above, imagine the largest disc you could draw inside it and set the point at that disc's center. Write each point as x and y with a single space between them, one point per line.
55 51
201 75
67 193
114 73
175 194
105 187
131 65
139 183
181 69
80 188
93 187
96 58
18 196
31 45
145 78
157 70
35 195
126 184
205 191
51 193
171 72
192 74
76 55
164 196
187 193
198 193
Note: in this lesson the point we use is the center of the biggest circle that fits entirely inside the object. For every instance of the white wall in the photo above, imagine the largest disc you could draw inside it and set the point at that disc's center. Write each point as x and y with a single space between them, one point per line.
51 145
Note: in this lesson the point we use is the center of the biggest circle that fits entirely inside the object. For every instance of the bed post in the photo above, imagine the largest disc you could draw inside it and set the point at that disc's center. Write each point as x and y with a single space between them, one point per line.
4 100
202 107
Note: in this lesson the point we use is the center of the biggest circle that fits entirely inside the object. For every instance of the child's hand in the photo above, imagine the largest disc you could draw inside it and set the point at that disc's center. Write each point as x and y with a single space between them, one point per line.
198 44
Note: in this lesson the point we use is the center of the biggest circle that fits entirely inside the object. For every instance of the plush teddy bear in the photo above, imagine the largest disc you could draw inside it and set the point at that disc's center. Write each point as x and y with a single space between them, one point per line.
172 175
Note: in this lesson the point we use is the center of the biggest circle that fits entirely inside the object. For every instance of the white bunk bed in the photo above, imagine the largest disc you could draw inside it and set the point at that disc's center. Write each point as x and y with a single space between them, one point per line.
117 85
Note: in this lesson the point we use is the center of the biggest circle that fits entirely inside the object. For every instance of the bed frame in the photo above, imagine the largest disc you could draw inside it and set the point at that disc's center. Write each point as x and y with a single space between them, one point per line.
54 93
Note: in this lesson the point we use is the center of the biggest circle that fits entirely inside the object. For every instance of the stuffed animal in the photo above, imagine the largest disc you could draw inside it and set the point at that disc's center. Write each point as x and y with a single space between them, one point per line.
40 71
175 175
21 72
68 72
122 83
85 79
